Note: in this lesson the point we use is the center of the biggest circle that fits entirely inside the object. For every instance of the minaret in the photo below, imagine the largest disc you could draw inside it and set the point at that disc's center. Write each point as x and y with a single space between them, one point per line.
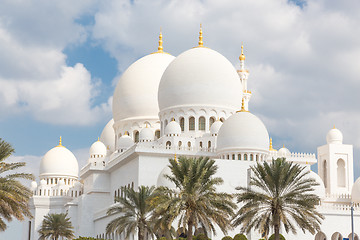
243 75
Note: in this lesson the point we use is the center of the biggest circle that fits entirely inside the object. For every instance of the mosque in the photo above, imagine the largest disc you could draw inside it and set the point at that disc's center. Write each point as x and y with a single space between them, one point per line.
195 104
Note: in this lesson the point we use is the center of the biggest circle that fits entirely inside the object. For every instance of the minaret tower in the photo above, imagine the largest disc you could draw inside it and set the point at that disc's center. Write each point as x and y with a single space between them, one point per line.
243 75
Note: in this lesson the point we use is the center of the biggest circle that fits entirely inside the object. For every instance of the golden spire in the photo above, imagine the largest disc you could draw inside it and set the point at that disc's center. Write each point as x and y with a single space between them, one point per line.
334 127
271 146
98 139
243 106
201 43
242 56
160 47
60 144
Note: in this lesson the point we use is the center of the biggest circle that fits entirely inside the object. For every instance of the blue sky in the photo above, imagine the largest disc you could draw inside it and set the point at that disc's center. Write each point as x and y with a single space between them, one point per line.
60 61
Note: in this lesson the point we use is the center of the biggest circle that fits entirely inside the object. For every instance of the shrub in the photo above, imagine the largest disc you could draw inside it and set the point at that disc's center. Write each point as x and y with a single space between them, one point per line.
272 237
240 237
227 238
162 238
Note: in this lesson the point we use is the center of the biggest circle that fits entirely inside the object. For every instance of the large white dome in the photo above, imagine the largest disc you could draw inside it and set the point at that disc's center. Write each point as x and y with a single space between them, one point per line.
243 131
136 92
108 136
59 161
319 189
355 191
200 77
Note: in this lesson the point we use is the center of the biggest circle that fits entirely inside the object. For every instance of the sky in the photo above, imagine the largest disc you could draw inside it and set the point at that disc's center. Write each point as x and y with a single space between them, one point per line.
60 61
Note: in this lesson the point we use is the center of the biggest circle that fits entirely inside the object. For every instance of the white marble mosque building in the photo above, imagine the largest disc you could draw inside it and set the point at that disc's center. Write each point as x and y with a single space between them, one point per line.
195 104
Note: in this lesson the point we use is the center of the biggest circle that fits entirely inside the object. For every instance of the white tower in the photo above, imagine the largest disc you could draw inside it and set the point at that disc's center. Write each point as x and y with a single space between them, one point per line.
335 164
244 74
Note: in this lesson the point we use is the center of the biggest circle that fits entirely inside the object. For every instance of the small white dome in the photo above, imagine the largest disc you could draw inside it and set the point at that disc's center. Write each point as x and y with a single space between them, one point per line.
108 136
146 134
33 185
137 90
355 192
320 189
173 128
98 148
125 142
215 127
163 181
42 182
284 152
200 77
59 161
243 131
334 136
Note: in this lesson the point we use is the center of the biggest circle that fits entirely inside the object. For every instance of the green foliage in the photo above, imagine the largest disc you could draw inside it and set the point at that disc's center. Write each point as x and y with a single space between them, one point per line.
135 208
162 238
14 196
279 189
272 237
201 236
56 225
195 201
227 238
240 237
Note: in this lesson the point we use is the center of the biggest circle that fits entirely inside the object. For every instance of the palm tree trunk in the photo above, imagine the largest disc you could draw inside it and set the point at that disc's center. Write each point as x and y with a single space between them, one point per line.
140 234
277 226
189 230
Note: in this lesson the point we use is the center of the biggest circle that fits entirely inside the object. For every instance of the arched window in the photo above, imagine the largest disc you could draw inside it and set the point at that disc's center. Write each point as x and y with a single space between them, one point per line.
209 144
325 173
191 123
136 136
233 157
182 124
245 157
228 156
257 157
40 192
239 156
157 134
201 123
211 121
251 157
168 144
189 144
180 143
341 173
201 144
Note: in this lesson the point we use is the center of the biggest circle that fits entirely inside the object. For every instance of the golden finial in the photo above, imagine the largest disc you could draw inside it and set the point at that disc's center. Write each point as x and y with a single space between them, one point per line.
175 158
271 146
173 119
160 47
146 125
283 145
242 106
98 139
201 43
242 56
334 127
60 144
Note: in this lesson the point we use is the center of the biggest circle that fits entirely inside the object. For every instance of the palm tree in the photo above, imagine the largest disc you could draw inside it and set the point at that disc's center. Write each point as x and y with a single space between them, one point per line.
56 225
195 201
14 196
279 193
135 209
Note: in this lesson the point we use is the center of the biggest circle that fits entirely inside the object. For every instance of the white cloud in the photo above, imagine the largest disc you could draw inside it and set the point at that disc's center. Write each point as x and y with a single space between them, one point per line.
34 76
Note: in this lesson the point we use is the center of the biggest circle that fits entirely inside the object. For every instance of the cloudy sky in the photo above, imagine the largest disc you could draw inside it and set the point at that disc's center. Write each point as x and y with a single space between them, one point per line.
60 60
